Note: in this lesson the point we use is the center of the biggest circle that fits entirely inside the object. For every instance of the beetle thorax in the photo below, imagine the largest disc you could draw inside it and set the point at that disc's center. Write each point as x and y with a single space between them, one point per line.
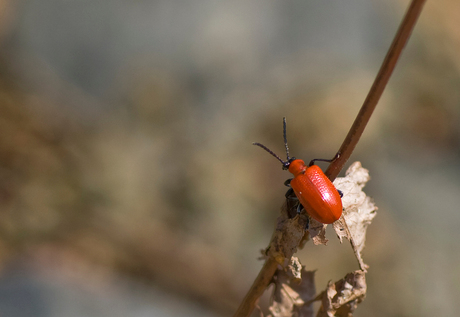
297 167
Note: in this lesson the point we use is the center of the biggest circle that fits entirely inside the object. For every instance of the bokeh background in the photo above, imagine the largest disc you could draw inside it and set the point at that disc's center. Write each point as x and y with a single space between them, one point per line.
129 185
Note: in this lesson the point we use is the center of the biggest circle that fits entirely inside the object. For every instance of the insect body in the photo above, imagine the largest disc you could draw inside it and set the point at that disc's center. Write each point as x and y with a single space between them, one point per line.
318 196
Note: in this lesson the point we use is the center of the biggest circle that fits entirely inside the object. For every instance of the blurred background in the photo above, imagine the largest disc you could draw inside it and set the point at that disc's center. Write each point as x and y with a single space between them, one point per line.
129 185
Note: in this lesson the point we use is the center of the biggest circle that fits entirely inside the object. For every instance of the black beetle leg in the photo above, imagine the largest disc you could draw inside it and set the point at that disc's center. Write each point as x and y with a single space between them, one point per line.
290 194
299 208
340 193
292 200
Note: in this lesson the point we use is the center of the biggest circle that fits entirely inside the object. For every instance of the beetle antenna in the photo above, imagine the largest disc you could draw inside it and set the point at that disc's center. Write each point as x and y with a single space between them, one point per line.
285 163
285 139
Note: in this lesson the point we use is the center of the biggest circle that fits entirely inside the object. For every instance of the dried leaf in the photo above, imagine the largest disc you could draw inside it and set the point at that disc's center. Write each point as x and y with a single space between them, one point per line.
359 210
306 290
340 228
341 298
292 292
317 232
295 269
288 234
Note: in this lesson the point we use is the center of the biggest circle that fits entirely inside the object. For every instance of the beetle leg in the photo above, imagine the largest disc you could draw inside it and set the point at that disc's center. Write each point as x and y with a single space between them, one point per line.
312 162
299 208
292 202
290 194
337 155
340 193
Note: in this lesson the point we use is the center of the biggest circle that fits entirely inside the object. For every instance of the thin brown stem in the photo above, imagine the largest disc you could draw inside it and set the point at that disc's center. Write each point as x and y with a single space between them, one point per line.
388 65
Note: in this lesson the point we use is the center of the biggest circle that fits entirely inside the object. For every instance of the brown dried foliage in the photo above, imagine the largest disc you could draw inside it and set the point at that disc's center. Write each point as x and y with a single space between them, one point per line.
294 286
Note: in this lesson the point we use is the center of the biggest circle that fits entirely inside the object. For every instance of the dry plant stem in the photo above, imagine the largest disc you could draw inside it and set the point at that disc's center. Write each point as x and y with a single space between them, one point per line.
388 65
268 270
257 288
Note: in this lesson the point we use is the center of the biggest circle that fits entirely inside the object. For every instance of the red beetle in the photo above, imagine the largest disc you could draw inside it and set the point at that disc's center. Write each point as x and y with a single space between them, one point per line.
316 193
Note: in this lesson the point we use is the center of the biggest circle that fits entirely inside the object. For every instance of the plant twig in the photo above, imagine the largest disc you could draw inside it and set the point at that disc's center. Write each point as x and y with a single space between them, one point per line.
380 82
268 270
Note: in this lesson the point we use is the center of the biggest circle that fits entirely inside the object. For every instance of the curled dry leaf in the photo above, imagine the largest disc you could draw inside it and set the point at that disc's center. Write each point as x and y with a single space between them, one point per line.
359 210
294 291
288 234
342 297
295 269
317 232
